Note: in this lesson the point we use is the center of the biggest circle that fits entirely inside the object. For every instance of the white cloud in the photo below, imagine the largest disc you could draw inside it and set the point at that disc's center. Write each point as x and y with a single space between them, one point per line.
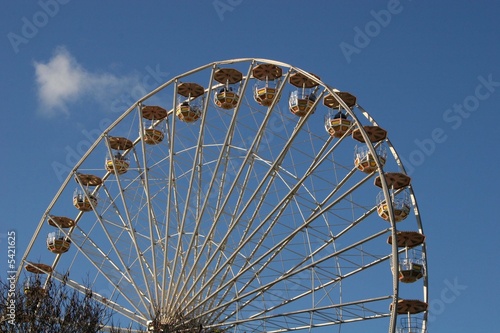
62 81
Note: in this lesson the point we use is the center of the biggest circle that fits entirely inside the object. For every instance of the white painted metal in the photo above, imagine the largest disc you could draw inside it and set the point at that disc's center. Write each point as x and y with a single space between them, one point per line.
237 222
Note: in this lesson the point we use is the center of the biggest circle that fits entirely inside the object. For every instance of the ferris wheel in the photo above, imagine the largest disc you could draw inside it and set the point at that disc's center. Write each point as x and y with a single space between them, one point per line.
242 196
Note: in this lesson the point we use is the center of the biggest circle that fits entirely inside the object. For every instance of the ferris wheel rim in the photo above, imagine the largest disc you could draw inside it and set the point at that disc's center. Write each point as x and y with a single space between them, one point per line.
139 103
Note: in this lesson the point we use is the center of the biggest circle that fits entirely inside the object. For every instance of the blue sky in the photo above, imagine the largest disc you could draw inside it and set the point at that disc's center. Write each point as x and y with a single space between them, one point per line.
426 70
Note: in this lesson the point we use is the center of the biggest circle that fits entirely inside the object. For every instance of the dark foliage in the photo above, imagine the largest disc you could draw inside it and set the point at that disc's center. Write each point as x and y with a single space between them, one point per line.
49 307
